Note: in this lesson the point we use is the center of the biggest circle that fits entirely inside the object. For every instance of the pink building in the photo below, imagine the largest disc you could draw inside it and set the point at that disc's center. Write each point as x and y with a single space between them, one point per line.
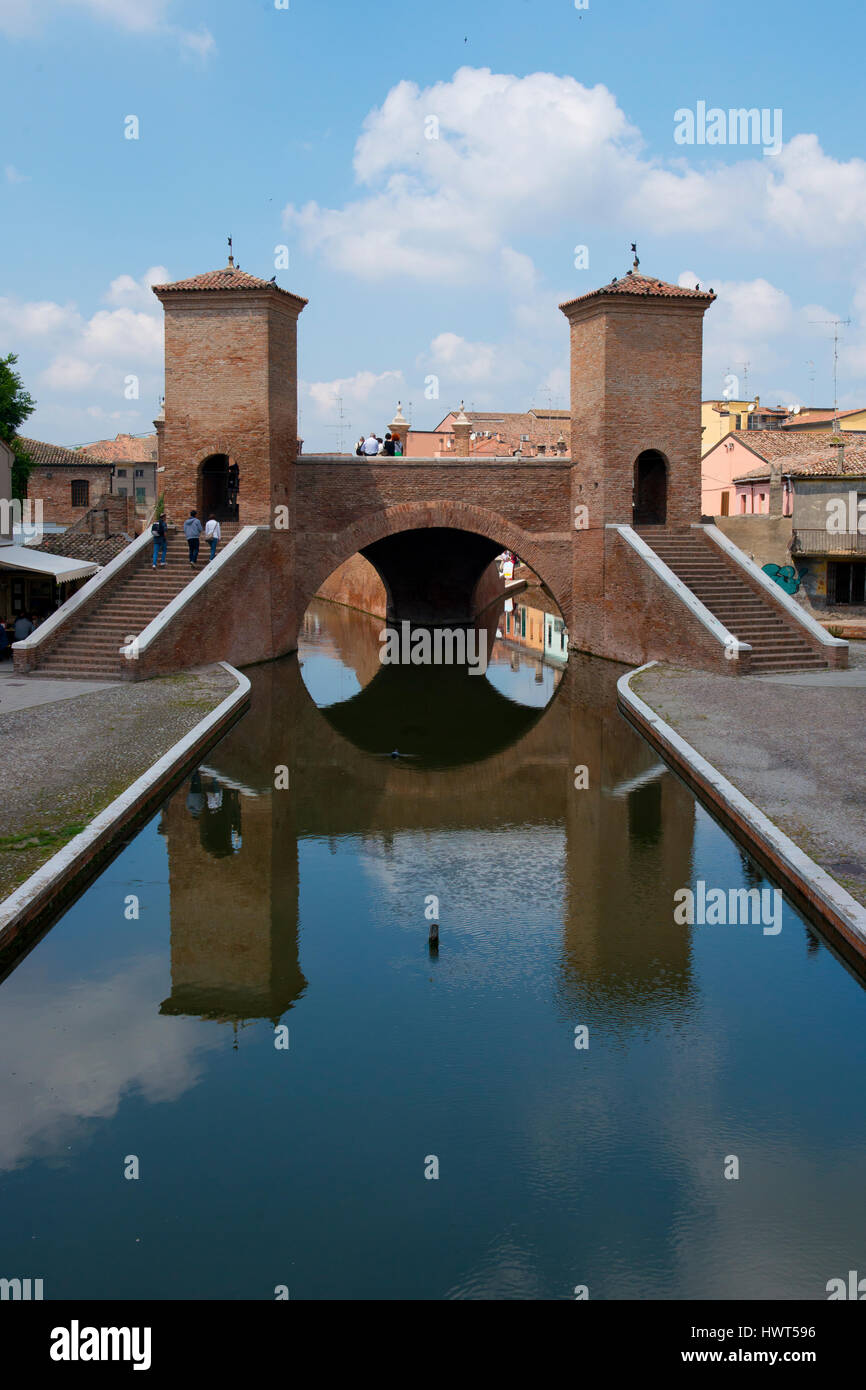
736 472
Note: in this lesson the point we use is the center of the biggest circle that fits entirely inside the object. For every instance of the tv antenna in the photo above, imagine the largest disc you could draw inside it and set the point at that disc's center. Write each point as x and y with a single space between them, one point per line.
837 324
340 427
746 366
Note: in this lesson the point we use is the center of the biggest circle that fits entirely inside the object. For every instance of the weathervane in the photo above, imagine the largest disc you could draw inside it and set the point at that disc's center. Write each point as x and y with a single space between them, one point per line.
636 261
231 257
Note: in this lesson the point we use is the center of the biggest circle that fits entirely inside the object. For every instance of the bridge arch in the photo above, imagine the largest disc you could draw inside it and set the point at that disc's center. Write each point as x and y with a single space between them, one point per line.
365 531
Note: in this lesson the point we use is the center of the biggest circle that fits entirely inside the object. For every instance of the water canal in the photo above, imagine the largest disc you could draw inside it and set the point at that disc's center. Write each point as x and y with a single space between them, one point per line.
304 907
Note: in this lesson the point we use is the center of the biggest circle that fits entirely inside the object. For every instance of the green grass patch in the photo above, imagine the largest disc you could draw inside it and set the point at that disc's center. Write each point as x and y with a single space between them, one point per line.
42 839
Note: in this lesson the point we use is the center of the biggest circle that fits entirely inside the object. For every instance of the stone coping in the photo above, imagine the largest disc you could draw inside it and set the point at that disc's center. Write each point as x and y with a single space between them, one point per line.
446 461
717 629
27 912
811 887
774 590
157 625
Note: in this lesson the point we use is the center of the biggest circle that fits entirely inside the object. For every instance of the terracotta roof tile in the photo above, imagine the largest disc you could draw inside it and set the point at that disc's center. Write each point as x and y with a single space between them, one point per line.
55 456
814 417
83 546
125 448
816 462
632 283
229 278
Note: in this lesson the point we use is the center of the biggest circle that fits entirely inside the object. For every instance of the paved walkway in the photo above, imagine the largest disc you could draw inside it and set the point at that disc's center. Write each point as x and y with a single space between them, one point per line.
75 745
22 692
794 745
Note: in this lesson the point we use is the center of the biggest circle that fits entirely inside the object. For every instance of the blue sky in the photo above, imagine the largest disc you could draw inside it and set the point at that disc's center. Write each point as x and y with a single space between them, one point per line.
308 127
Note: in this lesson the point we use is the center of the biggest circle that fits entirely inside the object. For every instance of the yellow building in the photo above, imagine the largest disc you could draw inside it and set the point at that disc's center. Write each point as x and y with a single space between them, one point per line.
719 418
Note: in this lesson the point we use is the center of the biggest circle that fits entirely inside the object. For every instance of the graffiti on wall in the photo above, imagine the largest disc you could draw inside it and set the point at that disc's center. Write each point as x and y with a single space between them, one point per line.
786 576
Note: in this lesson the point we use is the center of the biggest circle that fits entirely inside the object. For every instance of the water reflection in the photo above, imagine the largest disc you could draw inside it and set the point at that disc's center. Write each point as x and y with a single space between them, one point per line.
287 880
428 752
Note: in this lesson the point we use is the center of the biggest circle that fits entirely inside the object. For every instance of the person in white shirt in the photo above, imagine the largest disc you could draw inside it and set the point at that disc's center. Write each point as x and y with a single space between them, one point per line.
371 444
213 534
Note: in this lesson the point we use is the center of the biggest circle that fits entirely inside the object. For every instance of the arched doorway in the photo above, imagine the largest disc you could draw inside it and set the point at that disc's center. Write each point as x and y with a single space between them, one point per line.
219 488
650 495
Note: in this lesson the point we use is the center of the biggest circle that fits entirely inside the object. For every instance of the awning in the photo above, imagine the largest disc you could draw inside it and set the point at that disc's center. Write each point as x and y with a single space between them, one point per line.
59 567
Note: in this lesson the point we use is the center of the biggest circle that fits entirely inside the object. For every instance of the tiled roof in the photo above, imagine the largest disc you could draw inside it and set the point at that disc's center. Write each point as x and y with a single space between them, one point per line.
776 444
229 278
632 283
124 448
82 546
815 462
814 417
55 456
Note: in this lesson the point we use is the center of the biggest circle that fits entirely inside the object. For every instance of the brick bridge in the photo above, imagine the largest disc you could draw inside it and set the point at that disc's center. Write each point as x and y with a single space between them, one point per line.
612 530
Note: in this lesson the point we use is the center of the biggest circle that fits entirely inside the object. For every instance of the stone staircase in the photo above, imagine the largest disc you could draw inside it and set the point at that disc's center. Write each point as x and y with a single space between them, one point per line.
89 648
776 644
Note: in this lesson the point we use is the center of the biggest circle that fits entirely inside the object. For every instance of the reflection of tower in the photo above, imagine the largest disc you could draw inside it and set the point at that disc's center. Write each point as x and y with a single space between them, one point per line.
629 847
233 877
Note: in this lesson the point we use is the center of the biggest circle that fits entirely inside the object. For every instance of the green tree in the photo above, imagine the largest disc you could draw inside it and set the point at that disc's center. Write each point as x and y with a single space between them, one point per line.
15 406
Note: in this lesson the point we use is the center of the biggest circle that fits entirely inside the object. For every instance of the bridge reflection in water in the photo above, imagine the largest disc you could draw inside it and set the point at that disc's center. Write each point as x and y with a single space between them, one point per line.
474 764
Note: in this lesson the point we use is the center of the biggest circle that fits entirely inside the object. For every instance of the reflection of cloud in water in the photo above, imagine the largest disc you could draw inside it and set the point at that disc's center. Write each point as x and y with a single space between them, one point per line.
486 914
81 1049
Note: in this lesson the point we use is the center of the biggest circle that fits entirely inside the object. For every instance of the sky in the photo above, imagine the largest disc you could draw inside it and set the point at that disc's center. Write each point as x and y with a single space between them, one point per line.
430 171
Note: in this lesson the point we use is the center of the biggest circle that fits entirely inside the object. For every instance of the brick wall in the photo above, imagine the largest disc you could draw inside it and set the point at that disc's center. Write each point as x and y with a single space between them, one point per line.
357 585
636 385
54 487
230 388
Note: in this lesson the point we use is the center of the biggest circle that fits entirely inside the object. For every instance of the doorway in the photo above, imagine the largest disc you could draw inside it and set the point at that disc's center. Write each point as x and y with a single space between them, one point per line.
219 488
650 495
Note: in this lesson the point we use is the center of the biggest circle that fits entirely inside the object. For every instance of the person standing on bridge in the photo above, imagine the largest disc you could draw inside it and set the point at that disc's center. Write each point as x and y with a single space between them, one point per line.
192 529
213 534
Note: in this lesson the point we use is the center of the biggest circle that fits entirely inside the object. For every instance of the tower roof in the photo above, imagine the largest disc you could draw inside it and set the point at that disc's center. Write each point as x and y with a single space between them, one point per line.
230 278
642 286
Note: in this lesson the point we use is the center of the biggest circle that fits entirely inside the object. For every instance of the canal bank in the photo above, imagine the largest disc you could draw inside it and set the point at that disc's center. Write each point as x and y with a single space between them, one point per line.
792 747
69 763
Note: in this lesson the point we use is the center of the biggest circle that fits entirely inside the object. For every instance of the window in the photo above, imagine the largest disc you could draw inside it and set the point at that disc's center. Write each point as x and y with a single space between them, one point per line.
122 492
846 581
121 472
139 472
523 622
80 493
524 439
140 495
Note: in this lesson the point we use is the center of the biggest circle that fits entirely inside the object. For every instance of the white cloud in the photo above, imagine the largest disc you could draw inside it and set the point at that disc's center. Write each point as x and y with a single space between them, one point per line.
518 155
39 319
361 389
136 294
23 18
69 373
462 360
13 175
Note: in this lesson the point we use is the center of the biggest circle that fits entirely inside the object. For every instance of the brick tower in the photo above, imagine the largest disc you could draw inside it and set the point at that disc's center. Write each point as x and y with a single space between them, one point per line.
230 435
636 347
